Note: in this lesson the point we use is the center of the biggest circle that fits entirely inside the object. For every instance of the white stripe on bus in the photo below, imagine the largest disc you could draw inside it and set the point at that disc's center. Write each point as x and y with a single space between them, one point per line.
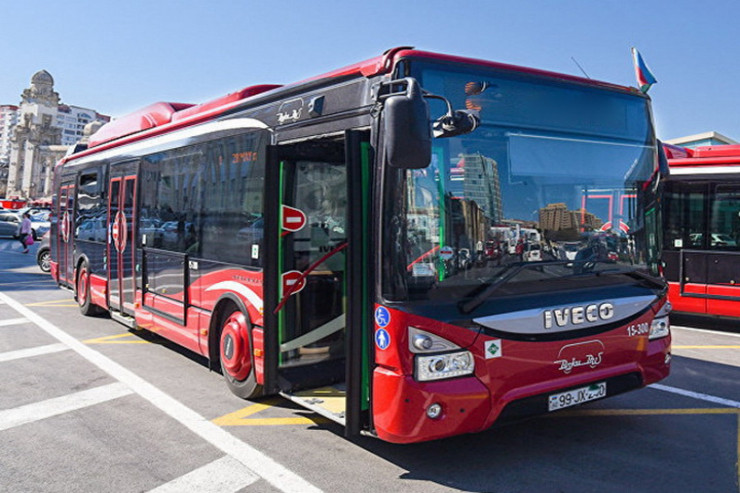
250 295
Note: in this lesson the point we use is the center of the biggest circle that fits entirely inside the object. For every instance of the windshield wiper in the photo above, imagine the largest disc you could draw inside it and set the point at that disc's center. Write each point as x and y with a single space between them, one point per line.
509 272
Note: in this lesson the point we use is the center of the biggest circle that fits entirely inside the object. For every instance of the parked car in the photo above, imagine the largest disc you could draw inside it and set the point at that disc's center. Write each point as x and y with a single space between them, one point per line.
40 224
43 255
10 222
532 252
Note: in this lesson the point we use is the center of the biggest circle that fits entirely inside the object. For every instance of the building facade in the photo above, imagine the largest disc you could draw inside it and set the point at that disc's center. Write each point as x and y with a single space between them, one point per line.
43 131
8 120
72 121
702 139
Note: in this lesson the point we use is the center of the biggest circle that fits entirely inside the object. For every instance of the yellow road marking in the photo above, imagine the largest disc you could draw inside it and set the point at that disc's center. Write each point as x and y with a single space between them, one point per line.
54 303
115 339
707 347
241 417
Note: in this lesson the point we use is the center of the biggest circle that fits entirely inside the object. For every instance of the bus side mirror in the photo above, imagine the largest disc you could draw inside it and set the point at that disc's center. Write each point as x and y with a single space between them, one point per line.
408 137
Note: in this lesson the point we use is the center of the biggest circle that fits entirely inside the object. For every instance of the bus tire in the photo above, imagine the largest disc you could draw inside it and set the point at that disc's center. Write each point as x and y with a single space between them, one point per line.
235 353
87 307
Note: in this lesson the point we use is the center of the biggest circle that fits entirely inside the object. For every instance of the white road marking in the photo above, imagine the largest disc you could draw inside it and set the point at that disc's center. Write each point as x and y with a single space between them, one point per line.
13 321
696 395
34 351
224 475
274 473
705 331
10 418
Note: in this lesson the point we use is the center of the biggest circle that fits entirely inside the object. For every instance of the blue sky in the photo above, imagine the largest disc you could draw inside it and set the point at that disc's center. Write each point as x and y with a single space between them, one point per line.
115 57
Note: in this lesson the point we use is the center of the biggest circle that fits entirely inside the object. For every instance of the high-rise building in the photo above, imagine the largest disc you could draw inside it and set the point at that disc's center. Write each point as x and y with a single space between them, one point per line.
8 120
72 121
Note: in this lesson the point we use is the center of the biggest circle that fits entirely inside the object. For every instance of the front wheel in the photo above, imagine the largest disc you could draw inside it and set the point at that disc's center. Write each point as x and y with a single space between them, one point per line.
235 354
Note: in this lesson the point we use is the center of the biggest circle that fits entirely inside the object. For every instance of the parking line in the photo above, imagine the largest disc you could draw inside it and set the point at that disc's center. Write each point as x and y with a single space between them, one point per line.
13 321
29 413
696 395
705 331
34 351
224 475
645 412
706 347
267 468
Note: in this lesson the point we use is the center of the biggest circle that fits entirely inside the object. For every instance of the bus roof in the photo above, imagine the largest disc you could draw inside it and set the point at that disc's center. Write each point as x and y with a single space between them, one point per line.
162 117
702 156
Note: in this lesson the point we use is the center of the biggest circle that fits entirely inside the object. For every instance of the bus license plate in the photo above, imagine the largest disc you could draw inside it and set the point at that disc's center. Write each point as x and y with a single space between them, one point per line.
576 396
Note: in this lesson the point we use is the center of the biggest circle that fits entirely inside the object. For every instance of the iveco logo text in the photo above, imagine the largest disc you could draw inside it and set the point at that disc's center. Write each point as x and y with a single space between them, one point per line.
578 314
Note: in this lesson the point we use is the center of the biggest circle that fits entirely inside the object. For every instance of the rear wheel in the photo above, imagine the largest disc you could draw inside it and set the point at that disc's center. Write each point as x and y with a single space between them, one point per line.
83 292
235 354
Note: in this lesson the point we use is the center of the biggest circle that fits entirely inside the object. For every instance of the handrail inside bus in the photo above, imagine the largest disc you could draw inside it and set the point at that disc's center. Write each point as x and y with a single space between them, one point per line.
305 273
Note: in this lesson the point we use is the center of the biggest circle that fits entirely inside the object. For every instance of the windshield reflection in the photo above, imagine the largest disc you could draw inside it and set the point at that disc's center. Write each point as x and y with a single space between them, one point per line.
506 195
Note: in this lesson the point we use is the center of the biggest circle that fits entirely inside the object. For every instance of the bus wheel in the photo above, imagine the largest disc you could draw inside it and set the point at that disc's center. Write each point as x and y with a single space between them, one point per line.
83 292
235 353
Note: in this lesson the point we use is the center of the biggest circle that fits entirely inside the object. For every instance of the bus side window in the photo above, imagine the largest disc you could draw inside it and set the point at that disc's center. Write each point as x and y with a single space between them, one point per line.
91 211
724 229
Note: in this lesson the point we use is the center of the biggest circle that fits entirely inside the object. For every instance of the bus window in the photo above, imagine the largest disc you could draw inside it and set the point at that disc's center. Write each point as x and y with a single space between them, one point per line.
724 227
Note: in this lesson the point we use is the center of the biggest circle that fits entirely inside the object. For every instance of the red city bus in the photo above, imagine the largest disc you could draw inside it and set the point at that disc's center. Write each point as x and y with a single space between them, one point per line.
325 240
701 215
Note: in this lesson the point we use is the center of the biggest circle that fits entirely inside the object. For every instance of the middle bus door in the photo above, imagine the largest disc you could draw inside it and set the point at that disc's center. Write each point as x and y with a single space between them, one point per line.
121 240
309 289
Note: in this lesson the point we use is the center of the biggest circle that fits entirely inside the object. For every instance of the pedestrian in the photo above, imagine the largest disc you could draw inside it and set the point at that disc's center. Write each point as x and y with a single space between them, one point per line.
25 230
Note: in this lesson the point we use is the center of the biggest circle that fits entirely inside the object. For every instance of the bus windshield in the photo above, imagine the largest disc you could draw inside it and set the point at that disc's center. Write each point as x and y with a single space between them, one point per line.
557 175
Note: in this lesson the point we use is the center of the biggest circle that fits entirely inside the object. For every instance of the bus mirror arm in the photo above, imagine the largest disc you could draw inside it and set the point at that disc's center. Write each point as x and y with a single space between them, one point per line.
454 122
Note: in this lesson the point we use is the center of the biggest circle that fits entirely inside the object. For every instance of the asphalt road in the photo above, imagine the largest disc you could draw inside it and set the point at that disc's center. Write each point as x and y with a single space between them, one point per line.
86 405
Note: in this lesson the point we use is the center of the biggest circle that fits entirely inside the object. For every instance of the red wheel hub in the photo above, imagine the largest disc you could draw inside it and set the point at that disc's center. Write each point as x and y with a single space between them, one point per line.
235 350
82 287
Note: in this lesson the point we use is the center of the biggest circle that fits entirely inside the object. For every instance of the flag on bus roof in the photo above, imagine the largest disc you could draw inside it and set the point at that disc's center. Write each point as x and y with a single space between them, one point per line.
645 77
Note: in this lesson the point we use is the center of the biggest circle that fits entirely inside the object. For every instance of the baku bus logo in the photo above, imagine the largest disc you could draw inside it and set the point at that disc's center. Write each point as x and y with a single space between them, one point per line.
119 232
65 227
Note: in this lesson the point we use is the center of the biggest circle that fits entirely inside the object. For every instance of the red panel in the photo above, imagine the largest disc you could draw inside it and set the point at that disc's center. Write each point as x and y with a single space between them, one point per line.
516 370
717 151
150 116
54 270
727 308
687 303
245 93
400 403
98 290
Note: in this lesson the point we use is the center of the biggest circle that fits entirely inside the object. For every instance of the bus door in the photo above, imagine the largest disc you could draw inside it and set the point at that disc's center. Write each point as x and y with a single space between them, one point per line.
121 244
65 233
312 339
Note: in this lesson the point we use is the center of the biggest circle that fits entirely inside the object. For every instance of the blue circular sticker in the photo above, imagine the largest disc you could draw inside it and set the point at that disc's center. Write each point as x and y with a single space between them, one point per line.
382 316
382 338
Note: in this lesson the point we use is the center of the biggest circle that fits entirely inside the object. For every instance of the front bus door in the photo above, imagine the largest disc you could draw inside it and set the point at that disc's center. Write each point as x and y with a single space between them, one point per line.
121 244
315 341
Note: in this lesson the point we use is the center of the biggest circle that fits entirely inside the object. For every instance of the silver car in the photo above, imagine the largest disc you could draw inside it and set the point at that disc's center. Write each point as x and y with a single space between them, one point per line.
10 223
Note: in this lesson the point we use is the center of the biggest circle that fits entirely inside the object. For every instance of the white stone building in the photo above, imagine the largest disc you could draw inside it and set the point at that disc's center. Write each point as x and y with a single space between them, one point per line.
43 132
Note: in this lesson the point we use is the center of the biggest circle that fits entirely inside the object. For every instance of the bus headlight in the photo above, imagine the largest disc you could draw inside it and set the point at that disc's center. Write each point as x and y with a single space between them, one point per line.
442 366
659 327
